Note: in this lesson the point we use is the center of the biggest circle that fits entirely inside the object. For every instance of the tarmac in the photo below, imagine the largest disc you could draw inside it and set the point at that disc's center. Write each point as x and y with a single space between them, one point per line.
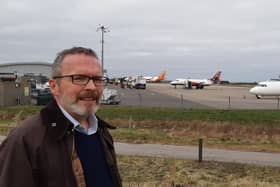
211 97
151 97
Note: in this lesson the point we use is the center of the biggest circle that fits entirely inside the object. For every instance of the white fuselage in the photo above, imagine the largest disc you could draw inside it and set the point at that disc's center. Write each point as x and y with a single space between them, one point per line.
178 82
204 82
266 88
198 83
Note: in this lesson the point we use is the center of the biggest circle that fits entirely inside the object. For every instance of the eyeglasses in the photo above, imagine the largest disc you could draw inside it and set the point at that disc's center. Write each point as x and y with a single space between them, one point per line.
84 79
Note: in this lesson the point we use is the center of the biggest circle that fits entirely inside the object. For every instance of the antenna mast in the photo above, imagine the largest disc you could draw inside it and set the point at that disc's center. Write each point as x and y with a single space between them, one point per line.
103 30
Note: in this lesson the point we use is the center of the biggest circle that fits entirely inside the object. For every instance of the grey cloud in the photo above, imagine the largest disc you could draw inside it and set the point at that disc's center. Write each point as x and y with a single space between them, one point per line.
185 37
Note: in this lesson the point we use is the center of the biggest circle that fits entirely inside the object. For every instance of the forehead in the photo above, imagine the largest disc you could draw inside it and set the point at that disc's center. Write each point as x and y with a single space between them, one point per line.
80 64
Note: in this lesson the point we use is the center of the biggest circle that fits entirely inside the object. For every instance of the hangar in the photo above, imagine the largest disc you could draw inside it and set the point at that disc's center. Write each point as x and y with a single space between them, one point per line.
23 68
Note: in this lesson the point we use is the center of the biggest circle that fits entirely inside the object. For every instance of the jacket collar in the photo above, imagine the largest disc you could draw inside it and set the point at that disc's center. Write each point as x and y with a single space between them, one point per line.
58 125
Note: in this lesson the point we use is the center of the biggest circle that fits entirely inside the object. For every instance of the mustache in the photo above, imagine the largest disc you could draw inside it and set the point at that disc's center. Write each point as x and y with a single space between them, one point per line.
94 95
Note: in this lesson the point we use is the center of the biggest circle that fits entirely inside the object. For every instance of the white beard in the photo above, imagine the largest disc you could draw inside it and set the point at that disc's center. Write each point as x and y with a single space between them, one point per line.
76 109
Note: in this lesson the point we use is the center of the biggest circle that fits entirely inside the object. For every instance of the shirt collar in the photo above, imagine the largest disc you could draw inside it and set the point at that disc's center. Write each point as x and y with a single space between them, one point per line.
93 123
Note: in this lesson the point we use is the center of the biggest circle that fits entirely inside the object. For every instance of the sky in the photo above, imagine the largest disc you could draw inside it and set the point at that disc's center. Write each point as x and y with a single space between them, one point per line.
187 38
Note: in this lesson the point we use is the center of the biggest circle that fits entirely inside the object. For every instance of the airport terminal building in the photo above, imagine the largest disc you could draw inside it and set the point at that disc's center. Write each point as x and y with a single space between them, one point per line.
23 68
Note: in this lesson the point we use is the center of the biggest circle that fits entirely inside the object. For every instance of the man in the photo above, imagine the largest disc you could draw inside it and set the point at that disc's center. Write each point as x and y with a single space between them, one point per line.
65 145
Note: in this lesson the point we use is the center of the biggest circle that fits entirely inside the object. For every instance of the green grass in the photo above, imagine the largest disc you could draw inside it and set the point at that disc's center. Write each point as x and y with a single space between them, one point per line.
28 109
246 117
5 122
8 113
255 130
158 136
141 135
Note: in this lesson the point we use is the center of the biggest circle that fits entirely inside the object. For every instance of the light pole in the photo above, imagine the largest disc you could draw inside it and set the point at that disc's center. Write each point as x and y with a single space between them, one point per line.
103 30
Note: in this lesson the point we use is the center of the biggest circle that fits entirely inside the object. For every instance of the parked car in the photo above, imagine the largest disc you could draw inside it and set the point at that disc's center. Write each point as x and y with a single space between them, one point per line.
41 96
110 97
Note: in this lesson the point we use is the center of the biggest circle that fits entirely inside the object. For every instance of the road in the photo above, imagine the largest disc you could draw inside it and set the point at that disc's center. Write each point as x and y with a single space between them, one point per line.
191 153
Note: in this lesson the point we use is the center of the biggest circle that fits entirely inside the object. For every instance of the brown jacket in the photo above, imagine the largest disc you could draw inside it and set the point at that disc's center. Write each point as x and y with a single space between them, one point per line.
41 153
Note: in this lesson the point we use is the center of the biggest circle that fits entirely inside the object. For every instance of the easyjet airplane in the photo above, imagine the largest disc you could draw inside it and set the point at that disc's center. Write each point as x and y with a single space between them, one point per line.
156 78
198 83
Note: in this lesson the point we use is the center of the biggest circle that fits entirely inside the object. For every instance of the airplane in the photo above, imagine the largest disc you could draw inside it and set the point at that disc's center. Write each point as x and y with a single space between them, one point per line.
198 83
178 82
266 88
156 78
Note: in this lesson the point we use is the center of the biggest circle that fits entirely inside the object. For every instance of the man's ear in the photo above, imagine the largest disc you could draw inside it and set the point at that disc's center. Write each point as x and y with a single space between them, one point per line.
54 87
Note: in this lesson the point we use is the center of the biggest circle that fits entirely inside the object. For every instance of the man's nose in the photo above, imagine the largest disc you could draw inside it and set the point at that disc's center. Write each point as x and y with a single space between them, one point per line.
90 85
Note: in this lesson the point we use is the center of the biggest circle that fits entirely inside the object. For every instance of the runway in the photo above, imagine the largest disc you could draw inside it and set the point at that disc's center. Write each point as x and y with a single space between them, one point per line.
211 97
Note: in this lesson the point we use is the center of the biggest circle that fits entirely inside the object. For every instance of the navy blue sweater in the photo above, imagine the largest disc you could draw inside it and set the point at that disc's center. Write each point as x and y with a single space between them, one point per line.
91 154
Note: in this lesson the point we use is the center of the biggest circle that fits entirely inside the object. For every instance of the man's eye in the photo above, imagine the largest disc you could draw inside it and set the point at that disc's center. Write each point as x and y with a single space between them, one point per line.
80 78
98 79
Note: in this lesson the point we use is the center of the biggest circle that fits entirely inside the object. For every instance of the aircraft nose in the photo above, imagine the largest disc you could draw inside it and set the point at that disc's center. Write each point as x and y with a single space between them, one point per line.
252 90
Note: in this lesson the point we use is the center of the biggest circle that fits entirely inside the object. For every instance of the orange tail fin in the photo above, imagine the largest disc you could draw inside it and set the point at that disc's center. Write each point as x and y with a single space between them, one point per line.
161 76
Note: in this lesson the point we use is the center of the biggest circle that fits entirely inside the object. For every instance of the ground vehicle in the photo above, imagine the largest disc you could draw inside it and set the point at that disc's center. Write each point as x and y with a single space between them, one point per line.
139 83
110 97
41 96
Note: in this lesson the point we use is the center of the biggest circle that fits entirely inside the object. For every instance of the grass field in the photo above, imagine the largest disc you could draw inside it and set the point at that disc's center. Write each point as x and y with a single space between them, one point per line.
244 117
152 172
255 130
242 129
